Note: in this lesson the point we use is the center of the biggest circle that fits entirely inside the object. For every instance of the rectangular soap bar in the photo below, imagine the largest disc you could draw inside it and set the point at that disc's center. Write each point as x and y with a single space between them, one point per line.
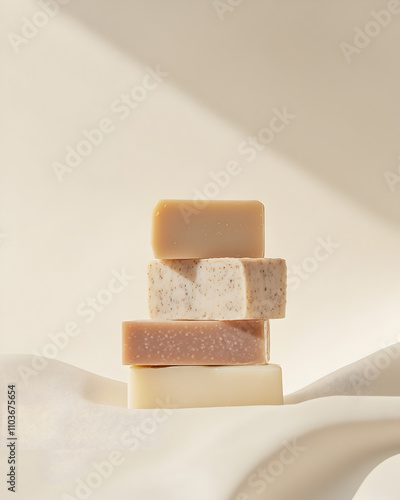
204 386
190 229
154 343
217 289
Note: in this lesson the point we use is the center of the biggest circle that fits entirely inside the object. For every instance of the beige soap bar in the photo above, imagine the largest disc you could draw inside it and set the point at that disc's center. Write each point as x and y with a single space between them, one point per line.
155 343
188 229
204 386
217 289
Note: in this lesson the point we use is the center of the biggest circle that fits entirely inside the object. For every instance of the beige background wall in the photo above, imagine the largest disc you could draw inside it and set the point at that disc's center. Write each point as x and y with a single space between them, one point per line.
221 79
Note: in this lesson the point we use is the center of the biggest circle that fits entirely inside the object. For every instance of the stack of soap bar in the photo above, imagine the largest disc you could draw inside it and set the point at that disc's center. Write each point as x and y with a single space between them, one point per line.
211 296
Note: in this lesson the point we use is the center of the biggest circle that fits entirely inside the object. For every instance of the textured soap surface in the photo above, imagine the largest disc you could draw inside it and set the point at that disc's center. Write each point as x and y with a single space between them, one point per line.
157 343
187 229
217 289
204 386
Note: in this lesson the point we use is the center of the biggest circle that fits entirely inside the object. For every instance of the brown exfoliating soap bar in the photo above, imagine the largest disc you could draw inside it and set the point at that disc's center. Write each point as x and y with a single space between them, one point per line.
153 343
190 229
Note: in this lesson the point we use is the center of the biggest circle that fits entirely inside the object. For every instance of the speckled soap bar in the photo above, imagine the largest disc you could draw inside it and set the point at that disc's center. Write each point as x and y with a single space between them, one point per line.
217 289
161 343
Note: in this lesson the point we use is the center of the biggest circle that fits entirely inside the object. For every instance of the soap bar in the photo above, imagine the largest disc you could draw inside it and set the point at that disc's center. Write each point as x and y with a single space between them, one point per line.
204 386
190 229
217 289
195 342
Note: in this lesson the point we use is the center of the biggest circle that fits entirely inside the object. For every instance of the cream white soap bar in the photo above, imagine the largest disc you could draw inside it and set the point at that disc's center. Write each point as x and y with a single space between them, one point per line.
217 289
204 386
